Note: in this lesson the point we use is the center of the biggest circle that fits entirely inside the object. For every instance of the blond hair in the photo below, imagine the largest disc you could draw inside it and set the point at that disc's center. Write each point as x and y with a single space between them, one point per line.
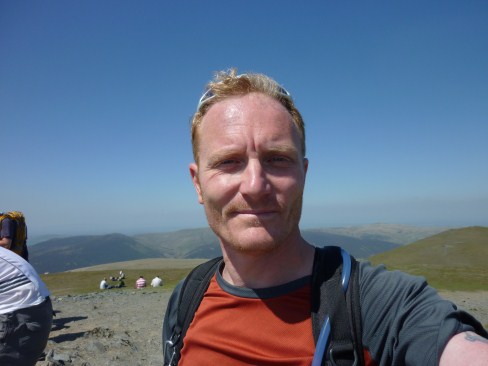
227 84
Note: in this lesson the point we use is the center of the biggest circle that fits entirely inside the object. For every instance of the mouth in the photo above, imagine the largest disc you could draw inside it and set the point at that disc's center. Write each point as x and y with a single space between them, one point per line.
261 213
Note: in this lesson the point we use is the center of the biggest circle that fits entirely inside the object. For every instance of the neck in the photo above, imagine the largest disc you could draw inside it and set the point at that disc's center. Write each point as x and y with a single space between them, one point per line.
266 269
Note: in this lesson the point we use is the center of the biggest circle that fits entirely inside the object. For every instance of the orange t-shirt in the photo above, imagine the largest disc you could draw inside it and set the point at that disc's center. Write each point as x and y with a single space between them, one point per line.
246 327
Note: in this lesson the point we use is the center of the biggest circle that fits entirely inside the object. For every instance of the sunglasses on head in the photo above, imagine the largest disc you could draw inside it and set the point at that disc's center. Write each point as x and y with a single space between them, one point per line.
209 94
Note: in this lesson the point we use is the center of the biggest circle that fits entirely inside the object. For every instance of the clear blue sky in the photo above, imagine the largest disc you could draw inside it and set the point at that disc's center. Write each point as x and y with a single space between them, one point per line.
95 100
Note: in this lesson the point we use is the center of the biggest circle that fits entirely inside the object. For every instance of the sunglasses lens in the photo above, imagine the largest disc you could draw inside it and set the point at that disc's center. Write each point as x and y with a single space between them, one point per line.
284 91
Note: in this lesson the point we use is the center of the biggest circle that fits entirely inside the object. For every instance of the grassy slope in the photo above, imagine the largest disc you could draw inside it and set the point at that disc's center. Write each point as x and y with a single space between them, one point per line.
87 280
452 260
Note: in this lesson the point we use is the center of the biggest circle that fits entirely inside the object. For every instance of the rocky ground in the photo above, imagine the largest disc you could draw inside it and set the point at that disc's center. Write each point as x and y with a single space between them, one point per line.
475 303
124 327
107 328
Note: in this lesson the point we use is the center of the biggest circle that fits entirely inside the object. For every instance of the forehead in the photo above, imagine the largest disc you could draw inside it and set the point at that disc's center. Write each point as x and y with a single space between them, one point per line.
253 114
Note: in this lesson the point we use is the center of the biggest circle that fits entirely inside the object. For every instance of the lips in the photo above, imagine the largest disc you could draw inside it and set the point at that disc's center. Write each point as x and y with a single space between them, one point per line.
254 216
255 212
264 210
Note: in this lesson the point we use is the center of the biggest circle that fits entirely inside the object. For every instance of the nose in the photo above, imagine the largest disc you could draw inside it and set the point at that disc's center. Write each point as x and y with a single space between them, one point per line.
254 180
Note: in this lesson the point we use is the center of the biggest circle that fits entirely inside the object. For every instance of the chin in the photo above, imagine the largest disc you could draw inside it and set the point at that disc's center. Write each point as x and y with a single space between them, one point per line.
253 241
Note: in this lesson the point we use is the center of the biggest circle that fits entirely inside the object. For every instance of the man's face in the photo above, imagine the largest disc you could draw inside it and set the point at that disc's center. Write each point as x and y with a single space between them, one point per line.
251 173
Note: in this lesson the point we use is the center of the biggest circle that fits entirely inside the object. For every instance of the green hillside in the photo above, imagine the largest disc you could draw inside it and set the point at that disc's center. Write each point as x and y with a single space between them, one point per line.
452 260
86 280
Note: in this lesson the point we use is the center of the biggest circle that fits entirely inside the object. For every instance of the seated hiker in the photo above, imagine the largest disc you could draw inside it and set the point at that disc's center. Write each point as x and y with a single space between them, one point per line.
121 275
141 282
104 284
156 281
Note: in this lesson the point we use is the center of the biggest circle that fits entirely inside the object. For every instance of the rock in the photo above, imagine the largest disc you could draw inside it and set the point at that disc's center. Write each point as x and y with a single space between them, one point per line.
62 357
96 346
100 333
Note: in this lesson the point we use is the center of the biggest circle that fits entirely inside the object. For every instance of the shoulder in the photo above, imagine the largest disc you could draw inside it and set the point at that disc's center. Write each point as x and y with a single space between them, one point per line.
374 278
7 225
395 290
8 221
10 259
414 322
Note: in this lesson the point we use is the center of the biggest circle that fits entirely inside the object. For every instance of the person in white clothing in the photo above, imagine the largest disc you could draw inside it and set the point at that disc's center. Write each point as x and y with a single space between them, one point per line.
26 311
156 281
104 284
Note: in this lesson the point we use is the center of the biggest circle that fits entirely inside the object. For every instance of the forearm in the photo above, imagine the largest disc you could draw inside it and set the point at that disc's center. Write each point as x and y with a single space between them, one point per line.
5 243
466 348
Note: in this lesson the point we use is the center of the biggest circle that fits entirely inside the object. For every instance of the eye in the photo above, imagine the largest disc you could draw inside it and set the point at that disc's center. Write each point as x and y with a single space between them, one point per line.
228 161
228 164
279 161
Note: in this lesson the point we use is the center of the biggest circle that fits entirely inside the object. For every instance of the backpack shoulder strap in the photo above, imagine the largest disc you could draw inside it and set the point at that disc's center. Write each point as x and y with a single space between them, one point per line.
191 294
354 309
335 308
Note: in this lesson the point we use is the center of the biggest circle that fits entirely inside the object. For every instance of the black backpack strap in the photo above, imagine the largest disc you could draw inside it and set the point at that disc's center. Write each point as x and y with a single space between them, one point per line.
329 304
192 291
354 310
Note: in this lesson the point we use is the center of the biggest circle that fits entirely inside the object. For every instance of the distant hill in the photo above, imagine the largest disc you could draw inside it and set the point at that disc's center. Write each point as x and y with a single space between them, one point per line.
33 240
454 259
58 255
63 254
359 248
456 247
202 243
392 233
190 243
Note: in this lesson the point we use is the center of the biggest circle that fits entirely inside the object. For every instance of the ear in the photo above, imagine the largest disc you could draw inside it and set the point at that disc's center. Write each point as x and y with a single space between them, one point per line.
196 182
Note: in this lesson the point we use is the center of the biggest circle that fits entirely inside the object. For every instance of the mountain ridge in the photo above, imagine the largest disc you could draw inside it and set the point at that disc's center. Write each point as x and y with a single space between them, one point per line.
68 253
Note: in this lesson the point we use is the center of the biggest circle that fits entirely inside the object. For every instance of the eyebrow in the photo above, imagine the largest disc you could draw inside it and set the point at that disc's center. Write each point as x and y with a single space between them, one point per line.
286 149
229 153
221 155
